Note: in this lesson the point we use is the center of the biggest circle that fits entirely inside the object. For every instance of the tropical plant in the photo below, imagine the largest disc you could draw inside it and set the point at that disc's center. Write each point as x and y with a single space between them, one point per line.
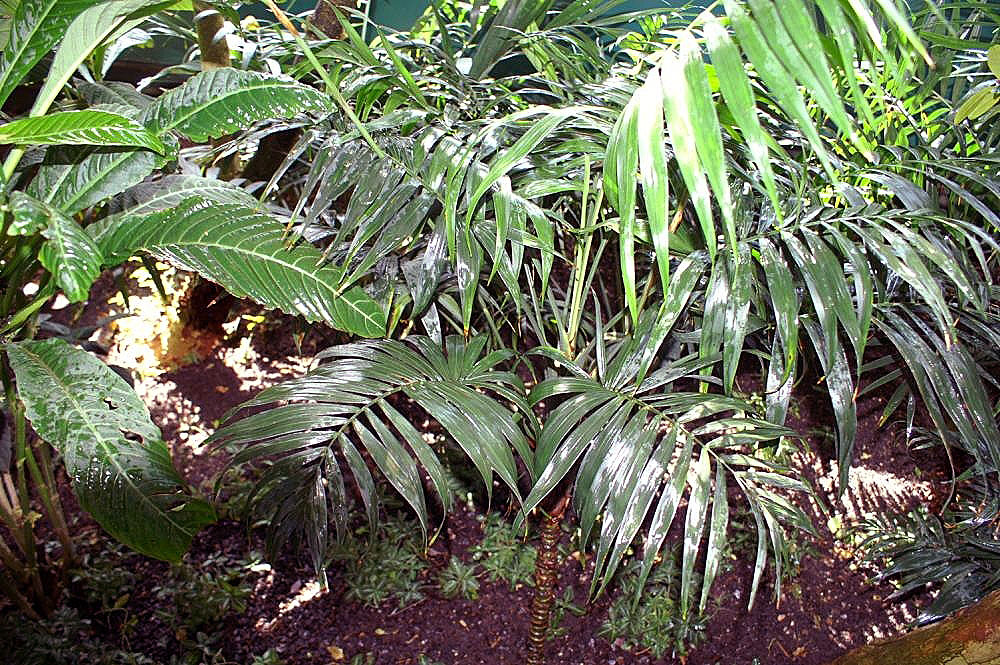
486 168
103 142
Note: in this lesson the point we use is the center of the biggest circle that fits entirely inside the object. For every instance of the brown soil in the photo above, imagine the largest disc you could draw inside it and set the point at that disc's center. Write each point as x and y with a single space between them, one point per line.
830 606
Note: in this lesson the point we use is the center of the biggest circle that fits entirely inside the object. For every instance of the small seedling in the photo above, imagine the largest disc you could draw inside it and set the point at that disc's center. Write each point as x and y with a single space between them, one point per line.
503 554
458 579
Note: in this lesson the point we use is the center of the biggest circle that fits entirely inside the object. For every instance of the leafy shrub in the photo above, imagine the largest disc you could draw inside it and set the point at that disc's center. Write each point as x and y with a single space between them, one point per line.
199 596
957 553
503 553
388 566
65 638
458 580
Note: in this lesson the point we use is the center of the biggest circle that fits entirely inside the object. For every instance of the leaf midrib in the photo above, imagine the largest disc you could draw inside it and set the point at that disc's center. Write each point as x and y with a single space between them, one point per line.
101 441
191 111
272 259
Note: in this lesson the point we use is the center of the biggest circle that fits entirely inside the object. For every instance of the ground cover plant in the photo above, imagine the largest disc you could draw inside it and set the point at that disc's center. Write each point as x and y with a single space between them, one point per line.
565 239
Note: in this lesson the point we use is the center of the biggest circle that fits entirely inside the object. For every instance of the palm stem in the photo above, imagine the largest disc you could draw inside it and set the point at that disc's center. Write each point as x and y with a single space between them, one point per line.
546 577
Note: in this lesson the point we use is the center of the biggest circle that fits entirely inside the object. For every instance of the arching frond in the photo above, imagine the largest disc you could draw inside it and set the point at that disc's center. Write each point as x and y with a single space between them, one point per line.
345 418
638 444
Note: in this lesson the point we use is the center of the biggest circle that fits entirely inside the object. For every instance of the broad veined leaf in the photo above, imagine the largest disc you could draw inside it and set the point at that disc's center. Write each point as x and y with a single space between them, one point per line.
120 468
112 92
344 405
218 102
73 179
87 31
36 27
246 252
69 253
89 127
172 190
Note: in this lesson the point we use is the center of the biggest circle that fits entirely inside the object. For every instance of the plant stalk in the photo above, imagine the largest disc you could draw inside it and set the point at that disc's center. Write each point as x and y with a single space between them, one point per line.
214 49
546 577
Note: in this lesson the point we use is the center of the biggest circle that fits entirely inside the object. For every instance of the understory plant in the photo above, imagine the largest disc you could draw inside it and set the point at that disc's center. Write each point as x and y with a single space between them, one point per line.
88 162
583 232
562 234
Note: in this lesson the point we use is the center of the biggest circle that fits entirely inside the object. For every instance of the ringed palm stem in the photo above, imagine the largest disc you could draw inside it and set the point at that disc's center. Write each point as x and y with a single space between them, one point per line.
546 578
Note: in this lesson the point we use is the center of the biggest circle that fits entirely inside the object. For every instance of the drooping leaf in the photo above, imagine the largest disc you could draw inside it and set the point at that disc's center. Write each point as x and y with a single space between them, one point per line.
344 404
653 171
72 179
88 30
245 251
69 253
120 468
172 190
681 123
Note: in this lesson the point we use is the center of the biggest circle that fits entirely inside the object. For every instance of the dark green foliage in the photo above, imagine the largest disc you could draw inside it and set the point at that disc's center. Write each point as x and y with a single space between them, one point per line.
112 451
957 554
197 597
503 552
458 580
313 435
386 565
561 605
65 638
104 579
652 619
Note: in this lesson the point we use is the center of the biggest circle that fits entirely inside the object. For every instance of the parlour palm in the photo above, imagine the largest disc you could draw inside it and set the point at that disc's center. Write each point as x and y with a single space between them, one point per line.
800 198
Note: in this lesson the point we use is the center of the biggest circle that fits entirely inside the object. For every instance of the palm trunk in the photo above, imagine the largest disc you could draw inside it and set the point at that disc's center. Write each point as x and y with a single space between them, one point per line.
546 577
214 52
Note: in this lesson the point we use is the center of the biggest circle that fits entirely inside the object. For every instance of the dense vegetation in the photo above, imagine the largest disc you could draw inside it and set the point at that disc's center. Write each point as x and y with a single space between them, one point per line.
559 233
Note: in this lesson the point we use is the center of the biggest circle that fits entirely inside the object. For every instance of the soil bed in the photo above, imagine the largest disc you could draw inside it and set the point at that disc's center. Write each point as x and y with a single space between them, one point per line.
829 606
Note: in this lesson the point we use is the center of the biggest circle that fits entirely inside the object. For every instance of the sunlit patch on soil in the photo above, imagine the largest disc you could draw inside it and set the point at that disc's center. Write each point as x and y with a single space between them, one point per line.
155 342
154 338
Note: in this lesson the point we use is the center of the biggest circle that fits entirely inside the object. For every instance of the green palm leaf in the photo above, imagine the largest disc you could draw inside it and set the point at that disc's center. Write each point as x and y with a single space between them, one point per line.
119 466
348 405
635 446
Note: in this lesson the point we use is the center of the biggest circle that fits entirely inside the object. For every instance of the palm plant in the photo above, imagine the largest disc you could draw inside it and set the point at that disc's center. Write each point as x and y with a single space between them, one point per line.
489 166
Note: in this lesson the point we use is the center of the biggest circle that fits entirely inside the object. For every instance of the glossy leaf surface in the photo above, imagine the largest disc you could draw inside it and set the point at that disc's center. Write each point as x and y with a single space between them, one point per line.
120 468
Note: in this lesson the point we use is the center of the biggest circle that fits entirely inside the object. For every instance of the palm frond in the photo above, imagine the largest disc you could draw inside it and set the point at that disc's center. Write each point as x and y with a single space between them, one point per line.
345 417
637 443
